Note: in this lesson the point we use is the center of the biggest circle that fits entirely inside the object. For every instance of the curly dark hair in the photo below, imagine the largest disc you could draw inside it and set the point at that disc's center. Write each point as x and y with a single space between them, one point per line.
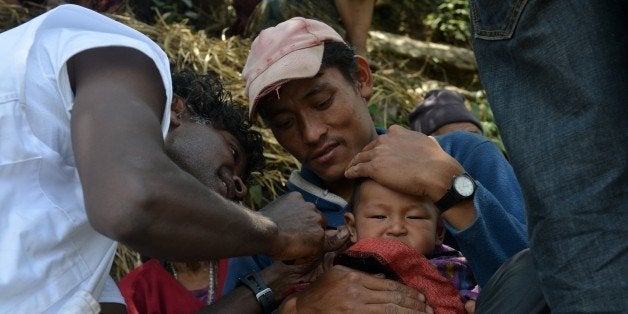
208 103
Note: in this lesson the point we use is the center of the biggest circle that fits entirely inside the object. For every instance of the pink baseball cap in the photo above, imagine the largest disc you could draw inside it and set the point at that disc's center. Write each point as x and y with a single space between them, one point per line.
291 50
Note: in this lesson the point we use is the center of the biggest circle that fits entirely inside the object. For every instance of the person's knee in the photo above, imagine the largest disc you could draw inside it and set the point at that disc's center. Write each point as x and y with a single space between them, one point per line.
514 288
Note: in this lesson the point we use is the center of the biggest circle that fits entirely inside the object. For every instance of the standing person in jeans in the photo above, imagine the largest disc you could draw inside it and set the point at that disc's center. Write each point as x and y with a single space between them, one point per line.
556 76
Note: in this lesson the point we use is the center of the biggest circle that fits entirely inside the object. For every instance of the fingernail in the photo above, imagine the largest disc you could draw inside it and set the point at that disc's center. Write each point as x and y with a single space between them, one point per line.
342 233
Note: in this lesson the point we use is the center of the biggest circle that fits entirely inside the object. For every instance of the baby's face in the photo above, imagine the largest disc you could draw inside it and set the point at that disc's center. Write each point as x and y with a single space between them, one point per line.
383 213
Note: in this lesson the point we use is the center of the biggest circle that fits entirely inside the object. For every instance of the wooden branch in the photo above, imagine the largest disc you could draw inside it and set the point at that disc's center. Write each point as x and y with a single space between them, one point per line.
459 57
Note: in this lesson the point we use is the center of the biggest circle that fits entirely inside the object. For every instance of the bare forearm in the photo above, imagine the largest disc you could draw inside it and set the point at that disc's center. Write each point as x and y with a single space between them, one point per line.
356 16
133 192
153 206
156 208
240 300
184 220
168 213
279 277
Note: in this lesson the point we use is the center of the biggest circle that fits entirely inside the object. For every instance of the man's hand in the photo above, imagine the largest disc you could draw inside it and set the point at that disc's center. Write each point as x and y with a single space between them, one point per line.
342 289
301 229
285 279
281 277
469 306
406 161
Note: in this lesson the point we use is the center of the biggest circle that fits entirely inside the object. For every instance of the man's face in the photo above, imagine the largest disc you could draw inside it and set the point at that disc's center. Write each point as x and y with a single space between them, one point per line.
323 121
383 213
213 156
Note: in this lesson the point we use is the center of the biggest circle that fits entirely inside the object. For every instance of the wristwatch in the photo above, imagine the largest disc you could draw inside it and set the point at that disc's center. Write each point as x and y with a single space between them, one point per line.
263 294
462 188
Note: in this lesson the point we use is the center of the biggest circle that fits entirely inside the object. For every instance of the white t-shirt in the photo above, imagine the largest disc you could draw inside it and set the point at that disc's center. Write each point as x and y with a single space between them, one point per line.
52 259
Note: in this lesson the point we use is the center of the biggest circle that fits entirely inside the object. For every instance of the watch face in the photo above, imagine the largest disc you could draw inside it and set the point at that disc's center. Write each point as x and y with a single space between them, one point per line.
464 186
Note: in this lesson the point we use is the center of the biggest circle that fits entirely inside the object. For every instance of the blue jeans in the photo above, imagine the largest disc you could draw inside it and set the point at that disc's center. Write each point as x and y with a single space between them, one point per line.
556 76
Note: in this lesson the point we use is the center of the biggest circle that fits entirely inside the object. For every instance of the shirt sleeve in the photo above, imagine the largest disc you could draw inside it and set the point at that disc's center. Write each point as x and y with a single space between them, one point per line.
70 30
499 230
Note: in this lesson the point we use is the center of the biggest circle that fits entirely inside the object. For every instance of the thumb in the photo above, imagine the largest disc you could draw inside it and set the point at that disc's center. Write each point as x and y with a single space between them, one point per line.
335 239
470 306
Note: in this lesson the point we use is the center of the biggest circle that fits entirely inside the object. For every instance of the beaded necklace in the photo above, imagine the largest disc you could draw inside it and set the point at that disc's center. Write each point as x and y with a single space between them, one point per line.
211 288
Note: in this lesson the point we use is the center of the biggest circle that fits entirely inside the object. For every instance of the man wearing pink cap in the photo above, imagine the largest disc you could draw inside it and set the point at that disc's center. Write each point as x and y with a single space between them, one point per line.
312 91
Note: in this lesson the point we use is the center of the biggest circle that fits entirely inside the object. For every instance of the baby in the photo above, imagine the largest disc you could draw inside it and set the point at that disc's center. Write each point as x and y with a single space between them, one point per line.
401 236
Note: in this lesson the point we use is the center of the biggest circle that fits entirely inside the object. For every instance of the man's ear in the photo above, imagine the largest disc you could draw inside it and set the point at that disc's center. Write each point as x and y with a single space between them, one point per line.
364 77
350 222
440 231
176 109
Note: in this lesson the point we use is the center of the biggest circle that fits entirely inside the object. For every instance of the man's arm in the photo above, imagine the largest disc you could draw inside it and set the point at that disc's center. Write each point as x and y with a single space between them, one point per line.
488 228
332 289
135 194
278 277
339 289
412 163
499 230
356 17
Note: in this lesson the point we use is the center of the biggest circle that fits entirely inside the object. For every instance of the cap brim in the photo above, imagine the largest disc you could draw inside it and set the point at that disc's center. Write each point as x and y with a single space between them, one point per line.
302 63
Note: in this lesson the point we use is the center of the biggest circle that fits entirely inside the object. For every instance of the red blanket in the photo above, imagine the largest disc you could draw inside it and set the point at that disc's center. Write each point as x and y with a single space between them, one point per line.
398 261
150 288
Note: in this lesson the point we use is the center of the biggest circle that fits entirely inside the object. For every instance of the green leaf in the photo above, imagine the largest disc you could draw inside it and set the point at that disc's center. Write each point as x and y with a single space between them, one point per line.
191 14
475 109
373 110
255 194
188 3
